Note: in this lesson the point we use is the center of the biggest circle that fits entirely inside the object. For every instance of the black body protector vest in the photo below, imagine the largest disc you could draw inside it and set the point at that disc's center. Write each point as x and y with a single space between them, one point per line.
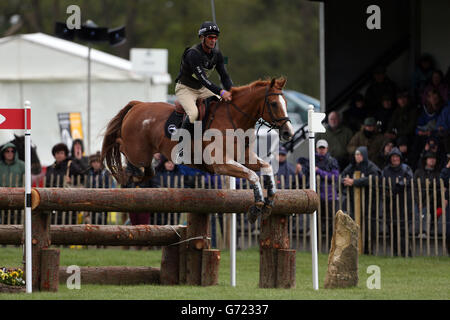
187 75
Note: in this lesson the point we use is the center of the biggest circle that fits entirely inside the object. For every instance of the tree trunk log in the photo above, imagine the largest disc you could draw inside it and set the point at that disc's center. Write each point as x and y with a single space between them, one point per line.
210 267
198 226
170 265
274 236
109 235
157 200
286 269
49 269
11 234
114 275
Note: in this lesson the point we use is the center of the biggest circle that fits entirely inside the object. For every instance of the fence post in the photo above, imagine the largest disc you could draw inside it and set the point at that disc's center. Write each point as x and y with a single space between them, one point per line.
357 208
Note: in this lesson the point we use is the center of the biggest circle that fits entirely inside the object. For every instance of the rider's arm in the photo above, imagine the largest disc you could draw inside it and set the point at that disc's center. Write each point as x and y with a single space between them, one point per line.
195 62
224 77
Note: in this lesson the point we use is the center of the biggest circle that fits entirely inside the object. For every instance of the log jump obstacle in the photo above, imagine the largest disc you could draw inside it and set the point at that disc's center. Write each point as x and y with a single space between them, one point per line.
186 255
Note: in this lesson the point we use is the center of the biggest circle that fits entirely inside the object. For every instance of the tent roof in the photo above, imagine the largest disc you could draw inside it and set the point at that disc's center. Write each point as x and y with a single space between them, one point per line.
39 56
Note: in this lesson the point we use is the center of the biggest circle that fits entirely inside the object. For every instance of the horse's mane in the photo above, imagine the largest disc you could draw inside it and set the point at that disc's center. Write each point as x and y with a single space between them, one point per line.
250 86
253 85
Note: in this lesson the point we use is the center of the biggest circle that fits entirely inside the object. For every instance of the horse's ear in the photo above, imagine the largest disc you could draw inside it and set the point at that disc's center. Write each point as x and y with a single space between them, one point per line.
280 83
272 83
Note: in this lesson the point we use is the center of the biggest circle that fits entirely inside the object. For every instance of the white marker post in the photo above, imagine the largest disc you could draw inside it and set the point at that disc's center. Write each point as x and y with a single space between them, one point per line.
233 240
314 125
28 251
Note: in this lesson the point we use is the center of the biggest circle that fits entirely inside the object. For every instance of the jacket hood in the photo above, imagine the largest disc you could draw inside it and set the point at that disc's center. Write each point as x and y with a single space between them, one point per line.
9 145
364 152
396 151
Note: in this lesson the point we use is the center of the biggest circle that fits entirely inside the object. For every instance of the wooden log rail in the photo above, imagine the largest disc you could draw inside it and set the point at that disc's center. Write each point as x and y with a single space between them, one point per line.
109 235
162 200
191 261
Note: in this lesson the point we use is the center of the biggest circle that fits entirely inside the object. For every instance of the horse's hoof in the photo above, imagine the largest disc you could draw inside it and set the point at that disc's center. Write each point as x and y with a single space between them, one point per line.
266 211
253 213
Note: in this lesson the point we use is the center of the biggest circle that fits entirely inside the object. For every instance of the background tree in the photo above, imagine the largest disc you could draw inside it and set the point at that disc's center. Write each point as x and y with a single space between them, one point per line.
261 38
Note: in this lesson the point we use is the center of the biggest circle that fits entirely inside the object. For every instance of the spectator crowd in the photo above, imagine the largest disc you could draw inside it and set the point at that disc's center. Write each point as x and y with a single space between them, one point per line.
391 132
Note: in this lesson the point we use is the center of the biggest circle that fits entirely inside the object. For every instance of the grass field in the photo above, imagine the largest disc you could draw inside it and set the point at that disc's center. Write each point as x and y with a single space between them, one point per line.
423 278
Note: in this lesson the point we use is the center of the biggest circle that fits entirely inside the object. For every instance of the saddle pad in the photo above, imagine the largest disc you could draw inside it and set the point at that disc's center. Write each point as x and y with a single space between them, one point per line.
173 123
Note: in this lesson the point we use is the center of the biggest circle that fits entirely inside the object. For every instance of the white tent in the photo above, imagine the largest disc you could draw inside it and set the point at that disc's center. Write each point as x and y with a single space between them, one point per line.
52 74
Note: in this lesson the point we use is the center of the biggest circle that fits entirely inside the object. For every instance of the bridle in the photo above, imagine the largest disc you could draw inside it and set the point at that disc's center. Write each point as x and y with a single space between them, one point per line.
273 124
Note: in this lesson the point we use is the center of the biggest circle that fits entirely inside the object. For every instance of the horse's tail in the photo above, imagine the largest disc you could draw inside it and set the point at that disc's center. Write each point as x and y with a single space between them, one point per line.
111 144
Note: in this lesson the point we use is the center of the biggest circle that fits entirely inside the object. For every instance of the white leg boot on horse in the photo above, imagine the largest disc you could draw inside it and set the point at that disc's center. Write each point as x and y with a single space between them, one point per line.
269 181
235 169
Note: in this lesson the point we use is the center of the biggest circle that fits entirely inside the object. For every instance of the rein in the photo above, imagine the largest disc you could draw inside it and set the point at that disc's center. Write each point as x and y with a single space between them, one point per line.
271 125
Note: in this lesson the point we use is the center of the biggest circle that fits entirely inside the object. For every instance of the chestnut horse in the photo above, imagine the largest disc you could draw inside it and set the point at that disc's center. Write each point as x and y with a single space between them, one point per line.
138 132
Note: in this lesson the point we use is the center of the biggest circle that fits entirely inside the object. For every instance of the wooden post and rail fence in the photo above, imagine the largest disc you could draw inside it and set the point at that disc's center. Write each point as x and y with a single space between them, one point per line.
186 256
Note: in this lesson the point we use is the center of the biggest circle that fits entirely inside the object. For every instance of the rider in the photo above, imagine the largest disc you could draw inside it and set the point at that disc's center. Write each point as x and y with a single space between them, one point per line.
197 63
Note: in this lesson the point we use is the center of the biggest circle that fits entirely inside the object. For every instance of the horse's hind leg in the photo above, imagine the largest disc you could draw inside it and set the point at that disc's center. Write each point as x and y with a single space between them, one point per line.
139 163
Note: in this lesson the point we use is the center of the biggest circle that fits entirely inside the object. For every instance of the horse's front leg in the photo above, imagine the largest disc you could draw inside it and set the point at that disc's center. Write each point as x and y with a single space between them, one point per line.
235 169
269 181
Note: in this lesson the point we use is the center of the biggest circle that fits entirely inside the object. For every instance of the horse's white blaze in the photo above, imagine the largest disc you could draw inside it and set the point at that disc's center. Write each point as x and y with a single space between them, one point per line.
283 105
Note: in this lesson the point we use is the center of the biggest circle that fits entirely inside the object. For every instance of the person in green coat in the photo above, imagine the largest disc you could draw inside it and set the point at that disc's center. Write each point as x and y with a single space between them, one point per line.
12 168
369 137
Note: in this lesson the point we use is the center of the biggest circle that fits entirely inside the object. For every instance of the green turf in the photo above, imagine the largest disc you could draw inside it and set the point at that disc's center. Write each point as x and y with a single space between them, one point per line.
412 278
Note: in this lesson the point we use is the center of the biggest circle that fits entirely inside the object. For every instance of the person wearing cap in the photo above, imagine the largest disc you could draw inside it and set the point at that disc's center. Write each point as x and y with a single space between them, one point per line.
396 168
432 144
403 120
395 173
368 136
97 175
193 80
63 171
286 171
361 163
380 86
338 136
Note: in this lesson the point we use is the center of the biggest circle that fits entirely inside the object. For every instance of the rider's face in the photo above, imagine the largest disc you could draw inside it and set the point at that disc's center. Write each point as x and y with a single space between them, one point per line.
210 41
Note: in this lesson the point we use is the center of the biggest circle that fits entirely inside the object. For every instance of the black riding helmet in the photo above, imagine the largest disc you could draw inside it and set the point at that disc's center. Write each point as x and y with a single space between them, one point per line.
207 28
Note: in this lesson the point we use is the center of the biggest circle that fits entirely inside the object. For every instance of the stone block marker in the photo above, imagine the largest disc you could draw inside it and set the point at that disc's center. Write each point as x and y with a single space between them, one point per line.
343 258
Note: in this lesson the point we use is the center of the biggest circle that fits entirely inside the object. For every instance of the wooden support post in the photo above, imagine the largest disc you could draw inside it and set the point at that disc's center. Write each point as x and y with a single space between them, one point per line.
49 269
357 209
170 265
286 268
40 235
274 236
182 250
198 226
210 267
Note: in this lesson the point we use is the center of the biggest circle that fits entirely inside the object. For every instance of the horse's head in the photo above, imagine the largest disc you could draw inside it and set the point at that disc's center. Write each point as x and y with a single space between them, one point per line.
275 109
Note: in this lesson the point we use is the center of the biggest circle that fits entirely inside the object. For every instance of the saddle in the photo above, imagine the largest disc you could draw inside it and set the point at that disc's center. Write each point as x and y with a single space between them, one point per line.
176 117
